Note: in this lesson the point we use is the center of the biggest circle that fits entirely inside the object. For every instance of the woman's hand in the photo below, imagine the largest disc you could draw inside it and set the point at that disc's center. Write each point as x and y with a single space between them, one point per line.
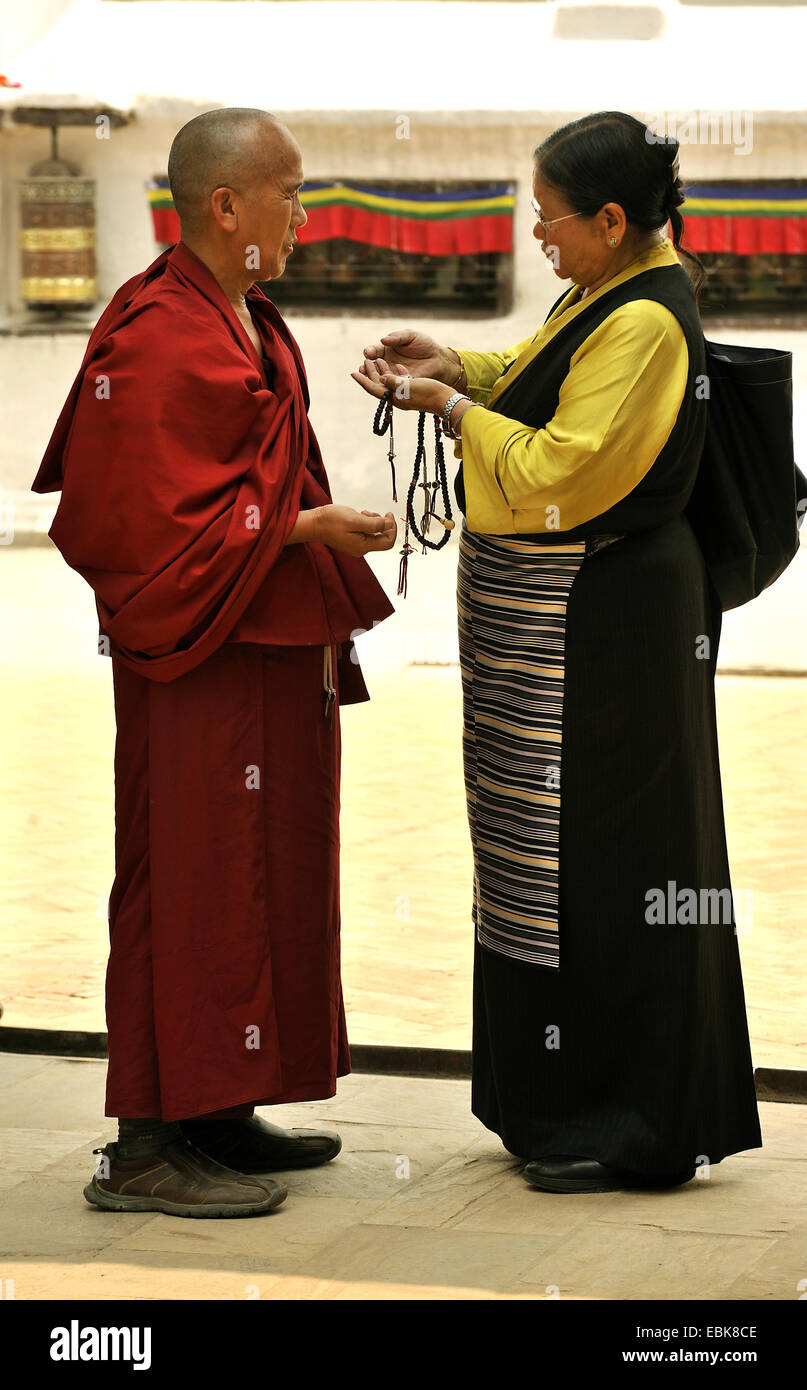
409 353
355 533
407 392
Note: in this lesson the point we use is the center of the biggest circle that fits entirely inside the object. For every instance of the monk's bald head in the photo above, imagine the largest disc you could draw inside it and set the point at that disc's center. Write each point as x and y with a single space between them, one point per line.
236 147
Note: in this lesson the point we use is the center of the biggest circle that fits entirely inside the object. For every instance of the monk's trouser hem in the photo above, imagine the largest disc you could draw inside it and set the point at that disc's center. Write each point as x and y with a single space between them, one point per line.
141 1138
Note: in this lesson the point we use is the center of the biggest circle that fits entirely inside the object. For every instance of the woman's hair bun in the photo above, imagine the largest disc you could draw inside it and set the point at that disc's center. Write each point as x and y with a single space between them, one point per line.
673 197
670 153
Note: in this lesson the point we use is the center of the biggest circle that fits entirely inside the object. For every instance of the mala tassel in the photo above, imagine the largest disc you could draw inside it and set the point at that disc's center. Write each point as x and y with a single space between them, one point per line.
406 551
327 683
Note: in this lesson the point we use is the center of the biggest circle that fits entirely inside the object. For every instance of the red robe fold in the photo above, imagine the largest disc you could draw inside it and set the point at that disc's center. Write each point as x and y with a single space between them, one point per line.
183 460
182 470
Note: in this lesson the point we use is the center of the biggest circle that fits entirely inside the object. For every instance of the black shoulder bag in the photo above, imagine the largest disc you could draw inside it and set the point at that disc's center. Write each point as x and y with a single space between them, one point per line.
749 497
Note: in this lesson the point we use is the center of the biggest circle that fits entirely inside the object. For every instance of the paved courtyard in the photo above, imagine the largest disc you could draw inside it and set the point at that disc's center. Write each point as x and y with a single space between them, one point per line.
422 1203
406 865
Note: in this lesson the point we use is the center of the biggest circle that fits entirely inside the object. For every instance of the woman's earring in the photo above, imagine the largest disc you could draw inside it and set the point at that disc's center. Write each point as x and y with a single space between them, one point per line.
612 241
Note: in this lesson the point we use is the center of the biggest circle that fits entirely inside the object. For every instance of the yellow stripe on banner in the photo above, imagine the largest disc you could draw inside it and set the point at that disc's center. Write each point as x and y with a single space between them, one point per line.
342 194
317 197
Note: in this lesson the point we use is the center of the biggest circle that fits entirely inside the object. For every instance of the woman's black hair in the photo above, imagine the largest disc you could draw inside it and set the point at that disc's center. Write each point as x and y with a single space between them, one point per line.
611 157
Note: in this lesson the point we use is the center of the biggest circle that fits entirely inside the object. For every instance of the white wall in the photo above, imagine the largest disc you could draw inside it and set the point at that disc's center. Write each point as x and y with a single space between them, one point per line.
22 22
494 147
36 370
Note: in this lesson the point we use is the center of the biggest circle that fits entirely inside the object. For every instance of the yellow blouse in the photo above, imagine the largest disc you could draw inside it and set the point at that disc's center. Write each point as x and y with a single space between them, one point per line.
616 409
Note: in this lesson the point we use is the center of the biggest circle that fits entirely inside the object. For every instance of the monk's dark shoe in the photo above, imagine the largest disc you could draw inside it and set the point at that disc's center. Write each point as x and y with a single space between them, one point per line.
564 1173
180 1181
256 1146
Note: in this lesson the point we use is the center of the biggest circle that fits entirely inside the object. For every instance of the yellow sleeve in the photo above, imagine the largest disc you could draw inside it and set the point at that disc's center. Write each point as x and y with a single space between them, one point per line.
616 409
483 369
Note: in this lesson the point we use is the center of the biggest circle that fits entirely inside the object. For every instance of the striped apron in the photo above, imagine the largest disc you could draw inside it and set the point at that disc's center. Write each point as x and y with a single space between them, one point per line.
511 598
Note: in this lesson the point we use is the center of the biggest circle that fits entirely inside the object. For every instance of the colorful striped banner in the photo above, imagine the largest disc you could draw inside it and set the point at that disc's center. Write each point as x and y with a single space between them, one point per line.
431 224
744 219
738 219
164 217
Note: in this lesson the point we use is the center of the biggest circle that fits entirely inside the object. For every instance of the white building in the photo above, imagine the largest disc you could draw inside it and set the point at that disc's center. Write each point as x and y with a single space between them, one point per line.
479 83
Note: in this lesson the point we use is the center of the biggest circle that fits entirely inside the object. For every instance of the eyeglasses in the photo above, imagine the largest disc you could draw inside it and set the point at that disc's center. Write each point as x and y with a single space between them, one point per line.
545 222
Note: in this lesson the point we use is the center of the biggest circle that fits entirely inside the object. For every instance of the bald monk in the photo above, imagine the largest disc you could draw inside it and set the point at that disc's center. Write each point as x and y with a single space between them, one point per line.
227 584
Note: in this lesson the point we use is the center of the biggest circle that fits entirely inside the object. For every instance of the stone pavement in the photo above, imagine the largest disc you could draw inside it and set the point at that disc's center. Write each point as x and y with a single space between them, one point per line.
422 1203
406 863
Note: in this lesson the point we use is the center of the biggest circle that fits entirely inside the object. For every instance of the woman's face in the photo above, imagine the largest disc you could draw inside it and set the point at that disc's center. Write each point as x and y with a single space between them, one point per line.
577 247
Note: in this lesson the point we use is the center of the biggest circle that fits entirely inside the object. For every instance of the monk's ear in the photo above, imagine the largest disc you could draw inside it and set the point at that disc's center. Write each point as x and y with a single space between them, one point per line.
222 206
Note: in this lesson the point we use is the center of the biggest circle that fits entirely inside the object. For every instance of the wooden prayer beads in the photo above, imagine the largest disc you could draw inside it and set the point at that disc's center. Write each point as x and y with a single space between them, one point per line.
383 422
380 427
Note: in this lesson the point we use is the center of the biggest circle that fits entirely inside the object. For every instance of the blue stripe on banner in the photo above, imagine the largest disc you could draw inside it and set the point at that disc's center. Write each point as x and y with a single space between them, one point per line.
462 195
744 191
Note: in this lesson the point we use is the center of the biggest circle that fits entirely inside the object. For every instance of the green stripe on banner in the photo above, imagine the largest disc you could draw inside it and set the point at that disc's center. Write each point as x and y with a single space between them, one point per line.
467 214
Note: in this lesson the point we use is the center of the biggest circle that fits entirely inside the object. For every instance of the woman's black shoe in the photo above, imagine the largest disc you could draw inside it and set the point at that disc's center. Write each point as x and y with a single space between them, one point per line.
569 1174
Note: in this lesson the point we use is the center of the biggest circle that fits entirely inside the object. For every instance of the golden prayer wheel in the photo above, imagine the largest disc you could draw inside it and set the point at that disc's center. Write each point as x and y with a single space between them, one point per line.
57 237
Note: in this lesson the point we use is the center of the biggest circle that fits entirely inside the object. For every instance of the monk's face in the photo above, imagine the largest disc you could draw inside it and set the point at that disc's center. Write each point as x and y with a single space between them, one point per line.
271 212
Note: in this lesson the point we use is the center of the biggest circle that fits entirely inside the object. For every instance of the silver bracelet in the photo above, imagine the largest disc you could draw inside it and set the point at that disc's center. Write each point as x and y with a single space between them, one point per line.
447 409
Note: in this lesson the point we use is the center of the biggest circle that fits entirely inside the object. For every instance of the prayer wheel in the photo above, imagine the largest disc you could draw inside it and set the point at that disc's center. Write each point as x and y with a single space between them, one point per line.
57 237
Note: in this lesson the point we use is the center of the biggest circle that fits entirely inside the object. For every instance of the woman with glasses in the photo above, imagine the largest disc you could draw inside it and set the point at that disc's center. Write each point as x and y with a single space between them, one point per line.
610 1045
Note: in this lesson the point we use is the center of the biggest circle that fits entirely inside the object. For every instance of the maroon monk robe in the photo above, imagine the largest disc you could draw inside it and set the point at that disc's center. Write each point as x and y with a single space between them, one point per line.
183 461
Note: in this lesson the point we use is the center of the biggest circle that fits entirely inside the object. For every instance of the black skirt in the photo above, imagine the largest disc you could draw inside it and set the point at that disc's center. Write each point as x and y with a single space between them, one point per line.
635 1051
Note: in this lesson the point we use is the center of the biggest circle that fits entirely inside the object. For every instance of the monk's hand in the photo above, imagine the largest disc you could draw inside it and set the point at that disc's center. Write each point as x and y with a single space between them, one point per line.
406 392
356 533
